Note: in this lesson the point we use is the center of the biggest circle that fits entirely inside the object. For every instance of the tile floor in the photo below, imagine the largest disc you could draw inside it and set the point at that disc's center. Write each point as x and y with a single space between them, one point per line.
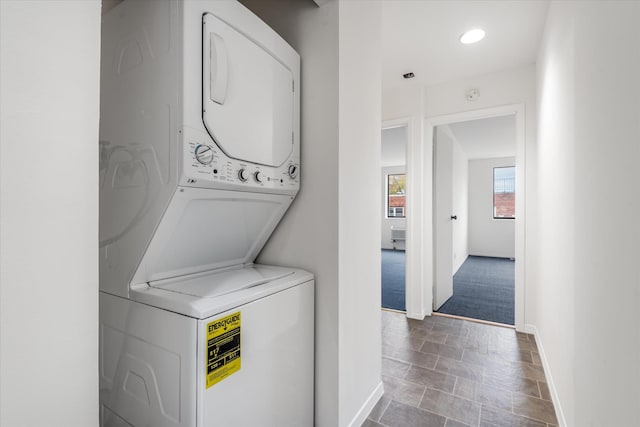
449 372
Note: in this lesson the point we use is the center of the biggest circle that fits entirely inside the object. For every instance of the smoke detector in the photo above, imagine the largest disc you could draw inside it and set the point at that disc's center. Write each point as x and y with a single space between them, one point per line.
473 94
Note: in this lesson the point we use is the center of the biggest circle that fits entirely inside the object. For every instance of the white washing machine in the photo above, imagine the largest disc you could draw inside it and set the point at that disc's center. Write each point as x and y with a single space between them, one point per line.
199 161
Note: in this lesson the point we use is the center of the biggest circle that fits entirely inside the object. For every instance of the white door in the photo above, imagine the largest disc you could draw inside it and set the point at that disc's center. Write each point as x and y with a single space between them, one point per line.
443 219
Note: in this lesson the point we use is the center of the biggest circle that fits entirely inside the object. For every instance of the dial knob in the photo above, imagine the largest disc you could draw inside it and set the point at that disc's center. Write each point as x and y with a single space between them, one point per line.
243 175
204 154
258 176
292 171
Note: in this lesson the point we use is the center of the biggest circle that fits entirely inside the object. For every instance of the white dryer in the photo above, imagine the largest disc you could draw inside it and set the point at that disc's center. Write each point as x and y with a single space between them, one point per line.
199 161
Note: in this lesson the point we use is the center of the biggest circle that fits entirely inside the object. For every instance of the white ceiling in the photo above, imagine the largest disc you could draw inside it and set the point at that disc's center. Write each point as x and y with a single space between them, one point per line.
421 36
486 138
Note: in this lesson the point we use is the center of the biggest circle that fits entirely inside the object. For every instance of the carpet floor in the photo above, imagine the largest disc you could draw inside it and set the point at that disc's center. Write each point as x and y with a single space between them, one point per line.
483 288
393 287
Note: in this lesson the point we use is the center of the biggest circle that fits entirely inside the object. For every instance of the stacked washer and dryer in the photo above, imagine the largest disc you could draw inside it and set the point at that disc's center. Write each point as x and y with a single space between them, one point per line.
199 161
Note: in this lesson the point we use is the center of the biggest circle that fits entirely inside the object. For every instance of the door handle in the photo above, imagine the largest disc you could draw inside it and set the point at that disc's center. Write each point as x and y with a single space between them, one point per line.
219 69
454 216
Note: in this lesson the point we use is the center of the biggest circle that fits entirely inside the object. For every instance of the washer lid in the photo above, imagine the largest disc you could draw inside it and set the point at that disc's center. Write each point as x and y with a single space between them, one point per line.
222 290
208 285
205 229
248 93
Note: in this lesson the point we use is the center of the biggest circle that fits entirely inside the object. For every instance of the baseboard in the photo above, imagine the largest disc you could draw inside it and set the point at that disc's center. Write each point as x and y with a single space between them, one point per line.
562 422
415 316
392 310
512 257
368 405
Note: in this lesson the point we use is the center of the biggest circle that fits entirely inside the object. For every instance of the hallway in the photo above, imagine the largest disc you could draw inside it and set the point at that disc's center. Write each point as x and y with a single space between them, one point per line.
448 372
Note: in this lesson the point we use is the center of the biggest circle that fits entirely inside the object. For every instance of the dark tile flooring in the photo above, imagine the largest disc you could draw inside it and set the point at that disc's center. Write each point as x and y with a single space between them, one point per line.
449 372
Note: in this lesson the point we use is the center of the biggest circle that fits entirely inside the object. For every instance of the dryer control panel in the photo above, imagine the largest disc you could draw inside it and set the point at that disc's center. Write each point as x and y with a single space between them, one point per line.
205 165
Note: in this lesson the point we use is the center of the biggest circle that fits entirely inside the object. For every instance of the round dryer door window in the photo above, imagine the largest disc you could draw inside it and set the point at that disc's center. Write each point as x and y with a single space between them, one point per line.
248 96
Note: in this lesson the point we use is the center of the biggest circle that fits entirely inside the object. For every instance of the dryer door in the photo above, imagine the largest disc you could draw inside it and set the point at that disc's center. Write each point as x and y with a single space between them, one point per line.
248 95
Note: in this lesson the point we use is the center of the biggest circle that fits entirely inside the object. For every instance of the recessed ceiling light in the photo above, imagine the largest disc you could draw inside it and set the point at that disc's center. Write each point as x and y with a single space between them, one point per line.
472 36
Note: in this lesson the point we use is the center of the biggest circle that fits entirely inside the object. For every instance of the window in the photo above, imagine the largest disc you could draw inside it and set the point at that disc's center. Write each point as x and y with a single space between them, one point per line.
396 212
396 189
504 192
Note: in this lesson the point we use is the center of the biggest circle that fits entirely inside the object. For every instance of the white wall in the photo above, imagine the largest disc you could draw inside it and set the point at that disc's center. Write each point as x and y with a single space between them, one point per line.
460 205
404 105
394 146
488 236
555 317
586 318
50 58
387 223
324 231
359 199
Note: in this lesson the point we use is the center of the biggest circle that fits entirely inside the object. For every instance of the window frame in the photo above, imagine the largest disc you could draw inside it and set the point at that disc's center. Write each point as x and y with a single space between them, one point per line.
396 208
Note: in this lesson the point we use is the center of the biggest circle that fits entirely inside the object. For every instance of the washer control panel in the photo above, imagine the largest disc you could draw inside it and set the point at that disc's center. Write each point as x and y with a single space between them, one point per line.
206 165
203 154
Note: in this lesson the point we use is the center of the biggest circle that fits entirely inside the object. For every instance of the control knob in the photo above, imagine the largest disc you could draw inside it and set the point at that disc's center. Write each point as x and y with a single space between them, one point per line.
292 171
242 175
258 176
204 154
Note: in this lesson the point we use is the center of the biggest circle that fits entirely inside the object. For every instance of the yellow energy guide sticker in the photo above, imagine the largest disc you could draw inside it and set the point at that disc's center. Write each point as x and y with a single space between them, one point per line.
223 348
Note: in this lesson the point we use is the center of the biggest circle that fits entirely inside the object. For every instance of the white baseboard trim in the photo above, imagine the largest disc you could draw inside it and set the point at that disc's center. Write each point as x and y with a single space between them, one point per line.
368 405
415 316
531 329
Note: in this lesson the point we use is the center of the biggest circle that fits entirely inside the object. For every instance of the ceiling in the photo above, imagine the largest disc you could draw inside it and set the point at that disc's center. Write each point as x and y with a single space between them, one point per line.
480 139
486 138
421 36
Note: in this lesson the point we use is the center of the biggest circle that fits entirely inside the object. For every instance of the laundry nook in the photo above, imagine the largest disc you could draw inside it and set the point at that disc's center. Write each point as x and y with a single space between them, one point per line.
199 161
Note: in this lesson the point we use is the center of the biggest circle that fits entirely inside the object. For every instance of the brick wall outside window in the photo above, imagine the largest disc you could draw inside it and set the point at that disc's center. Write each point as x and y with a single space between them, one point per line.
505 205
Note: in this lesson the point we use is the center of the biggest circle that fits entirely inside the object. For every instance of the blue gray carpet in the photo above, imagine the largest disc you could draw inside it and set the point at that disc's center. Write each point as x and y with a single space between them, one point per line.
483 288
393 279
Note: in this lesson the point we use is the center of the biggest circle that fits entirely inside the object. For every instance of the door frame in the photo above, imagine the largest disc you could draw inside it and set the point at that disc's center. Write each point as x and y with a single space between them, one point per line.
410 294
420 275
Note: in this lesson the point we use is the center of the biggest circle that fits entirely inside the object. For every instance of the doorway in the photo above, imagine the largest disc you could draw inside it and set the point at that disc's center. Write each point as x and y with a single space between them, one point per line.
394 216
420 239
474 218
